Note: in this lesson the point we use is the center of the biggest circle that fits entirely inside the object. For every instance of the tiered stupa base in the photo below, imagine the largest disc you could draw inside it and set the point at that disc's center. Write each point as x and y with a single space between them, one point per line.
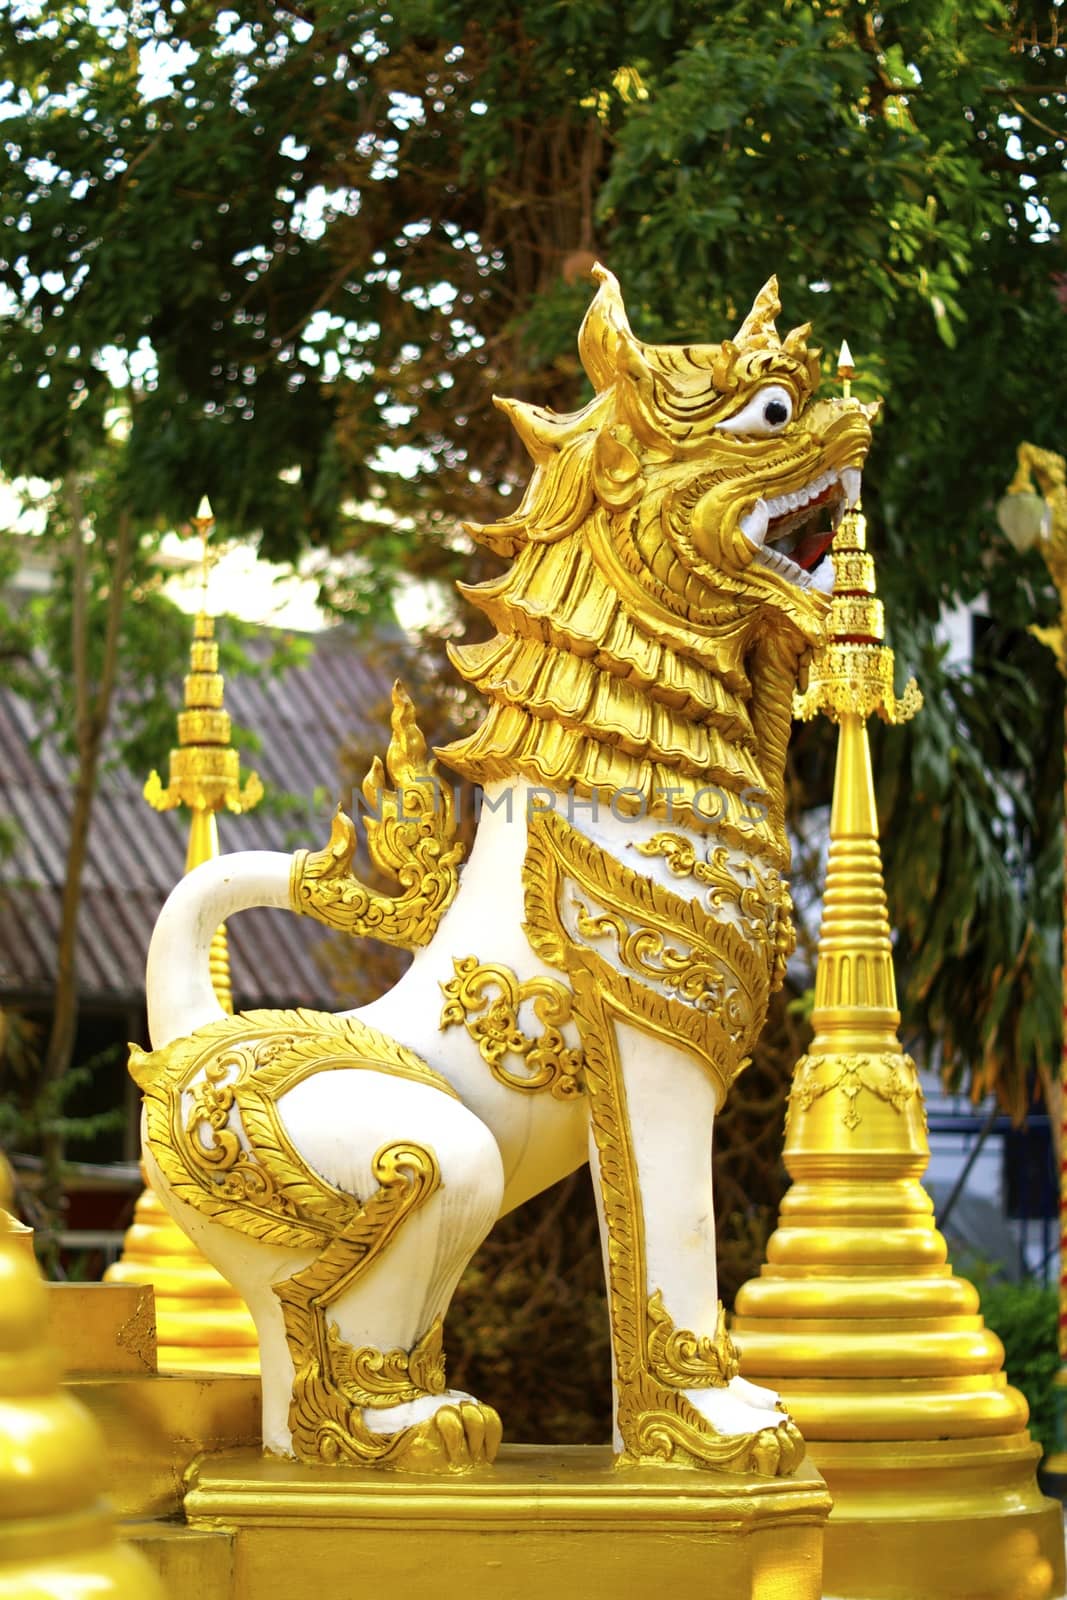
57 1534
203 1325
956 1520
882 1357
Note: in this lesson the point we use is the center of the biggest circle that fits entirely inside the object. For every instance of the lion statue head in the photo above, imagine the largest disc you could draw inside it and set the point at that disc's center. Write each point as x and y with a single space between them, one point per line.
668 575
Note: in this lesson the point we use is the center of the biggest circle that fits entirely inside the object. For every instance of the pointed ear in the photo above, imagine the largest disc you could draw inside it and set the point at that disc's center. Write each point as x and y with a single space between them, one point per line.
616 469
758 327
535 427
606 342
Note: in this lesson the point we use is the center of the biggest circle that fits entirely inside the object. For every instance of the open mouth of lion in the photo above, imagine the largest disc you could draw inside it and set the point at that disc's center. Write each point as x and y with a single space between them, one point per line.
793 533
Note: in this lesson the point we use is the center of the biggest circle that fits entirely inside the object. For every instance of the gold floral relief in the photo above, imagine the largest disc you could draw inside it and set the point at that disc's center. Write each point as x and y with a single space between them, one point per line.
660 1427
485 997
690 976
201 1089
670 965
889 1077
757 894
379 1378
684 1360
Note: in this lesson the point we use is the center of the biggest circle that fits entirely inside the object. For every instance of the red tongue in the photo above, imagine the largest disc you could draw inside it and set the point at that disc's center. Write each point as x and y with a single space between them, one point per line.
809 550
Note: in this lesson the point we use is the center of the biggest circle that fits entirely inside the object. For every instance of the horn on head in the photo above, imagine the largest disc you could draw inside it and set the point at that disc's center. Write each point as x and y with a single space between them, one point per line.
758 327
606 343
538 429
796 340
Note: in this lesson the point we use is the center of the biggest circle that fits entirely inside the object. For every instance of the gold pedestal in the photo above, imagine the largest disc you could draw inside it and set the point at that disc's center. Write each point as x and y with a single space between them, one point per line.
153 1425
542 1522
203 1325
192 1564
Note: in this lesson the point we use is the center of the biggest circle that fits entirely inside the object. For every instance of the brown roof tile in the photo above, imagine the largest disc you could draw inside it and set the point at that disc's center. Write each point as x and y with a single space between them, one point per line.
303 717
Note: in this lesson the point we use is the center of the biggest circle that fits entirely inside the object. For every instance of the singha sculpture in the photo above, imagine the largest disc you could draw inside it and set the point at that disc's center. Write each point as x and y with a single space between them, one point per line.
590 985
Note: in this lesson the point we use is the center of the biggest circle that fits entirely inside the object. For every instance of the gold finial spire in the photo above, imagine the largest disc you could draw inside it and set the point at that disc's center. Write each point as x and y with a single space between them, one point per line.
204 523
850 679
203 1323
204 770
846 369
854 672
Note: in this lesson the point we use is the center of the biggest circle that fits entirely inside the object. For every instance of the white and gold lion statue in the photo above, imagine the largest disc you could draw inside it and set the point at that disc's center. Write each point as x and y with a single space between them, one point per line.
590 984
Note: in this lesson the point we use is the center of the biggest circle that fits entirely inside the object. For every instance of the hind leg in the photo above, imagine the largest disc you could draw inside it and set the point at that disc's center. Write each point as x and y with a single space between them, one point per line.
359 1319
430 1178
340 1185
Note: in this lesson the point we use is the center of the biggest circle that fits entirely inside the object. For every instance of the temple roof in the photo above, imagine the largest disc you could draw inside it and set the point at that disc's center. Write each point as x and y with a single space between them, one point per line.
303 717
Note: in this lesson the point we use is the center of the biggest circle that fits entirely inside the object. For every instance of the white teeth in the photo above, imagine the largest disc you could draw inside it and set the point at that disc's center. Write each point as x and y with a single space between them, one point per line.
851 478
754 525
781 564
822 578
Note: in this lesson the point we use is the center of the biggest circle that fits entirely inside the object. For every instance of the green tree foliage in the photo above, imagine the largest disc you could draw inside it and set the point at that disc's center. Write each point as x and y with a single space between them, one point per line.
318 237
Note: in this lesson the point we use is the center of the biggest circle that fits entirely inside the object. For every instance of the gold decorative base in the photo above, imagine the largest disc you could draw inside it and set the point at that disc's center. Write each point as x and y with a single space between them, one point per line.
154 1427
103 1327
541 1522
153 1424
959 1520
193 1563
203 1325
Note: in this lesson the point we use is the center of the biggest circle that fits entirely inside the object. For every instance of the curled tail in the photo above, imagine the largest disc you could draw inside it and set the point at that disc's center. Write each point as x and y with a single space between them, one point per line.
411 836
181 996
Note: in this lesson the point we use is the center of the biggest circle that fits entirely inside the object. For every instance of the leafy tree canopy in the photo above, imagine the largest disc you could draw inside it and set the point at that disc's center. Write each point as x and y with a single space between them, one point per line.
309 240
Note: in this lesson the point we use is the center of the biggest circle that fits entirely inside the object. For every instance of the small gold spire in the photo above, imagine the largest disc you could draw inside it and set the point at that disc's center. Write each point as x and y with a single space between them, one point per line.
203 1323
879 1352
57 1536
204 523
204 771
846 369
854 671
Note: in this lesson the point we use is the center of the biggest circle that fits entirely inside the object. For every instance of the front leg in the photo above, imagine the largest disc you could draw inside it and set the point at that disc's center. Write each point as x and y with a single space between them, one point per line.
678 1399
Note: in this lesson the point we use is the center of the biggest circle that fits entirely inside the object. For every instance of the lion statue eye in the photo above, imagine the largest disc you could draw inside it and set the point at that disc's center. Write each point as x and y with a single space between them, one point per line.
768 412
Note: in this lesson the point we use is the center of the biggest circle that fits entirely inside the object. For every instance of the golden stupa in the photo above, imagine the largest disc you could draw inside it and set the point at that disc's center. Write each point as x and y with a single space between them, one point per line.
57 1537
202 1323
878 1350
